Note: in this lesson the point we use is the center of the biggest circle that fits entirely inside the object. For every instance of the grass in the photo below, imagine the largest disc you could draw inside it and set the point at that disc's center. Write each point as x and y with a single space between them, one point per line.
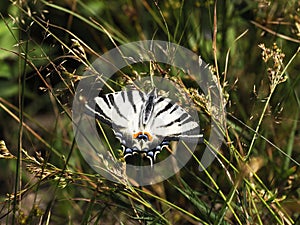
253 50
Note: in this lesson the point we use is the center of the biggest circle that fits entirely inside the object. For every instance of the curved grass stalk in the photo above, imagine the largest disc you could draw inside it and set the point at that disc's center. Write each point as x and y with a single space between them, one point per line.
121 39
228 203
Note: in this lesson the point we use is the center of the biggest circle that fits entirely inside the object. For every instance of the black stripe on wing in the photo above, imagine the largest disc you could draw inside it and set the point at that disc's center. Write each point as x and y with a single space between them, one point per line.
173 121
165 109
179 120
111 99
191 138
97 113
117 108
131 100
105 115
106 101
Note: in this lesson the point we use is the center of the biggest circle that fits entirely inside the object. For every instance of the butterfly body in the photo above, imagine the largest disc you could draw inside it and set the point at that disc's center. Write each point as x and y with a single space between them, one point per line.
144 122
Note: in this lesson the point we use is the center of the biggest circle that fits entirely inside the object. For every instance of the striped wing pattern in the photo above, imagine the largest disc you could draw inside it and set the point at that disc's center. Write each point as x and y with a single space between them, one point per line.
144 123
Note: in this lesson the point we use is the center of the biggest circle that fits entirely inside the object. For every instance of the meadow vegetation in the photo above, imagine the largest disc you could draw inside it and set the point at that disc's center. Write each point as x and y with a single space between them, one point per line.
253 49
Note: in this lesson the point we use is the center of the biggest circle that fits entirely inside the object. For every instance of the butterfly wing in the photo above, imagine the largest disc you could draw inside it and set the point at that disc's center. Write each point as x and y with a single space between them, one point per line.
133 114
121 111
117 109
173 122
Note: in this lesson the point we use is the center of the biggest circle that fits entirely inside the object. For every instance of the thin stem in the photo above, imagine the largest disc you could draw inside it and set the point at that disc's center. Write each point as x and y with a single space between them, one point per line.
21 80
273 87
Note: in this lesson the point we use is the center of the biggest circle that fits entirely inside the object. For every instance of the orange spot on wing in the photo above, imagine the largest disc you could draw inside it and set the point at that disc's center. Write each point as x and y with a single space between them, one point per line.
143 133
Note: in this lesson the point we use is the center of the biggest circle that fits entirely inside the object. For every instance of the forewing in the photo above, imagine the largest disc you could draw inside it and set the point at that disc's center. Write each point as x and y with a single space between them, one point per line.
120 110
172 121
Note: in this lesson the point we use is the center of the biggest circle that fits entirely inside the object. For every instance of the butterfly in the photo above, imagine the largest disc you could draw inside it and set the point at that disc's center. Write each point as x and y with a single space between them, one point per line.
144 123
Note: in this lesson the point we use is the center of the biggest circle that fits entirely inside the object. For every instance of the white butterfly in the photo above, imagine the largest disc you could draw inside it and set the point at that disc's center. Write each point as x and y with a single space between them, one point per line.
144 122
